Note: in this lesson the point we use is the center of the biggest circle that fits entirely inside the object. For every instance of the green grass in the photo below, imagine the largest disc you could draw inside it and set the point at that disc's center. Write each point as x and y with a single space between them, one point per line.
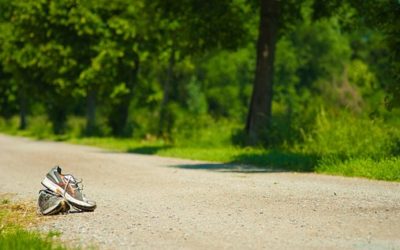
343 145
384 169
14 218
19 238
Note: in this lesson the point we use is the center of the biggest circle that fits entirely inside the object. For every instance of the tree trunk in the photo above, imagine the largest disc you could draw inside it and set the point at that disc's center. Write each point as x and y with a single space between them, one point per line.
118 118
22 112
57 113
166 92
22 107
259 115
91 111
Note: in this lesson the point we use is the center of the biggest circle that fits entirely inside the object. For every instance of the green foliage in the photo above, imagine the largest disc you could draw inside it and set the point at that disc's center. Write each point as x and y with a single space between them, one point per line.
227 86
196 100
383 16
40 126
203 131
8 94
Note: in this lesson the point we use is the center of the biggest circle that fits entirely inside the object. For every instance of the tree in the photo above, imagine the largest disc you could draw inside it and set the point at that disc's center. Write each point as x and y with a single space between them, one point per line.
259 115
384 16
276 16
74 49
18 61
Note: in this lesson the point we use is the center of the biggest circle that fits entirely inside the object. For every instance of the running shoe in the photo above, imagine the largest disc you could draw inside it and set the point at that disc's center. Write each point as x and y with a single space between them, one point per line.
69 188
50 203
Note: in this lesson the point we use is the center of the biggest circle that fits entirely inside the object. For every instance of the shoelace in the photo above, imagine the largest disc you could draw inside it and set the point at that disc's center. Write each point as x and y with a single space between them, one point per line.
78 185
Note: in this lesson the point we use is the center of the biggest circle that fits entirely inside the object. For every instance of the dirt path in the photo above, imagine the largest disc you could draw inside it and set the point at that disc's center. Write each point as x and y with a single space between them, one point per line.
162 203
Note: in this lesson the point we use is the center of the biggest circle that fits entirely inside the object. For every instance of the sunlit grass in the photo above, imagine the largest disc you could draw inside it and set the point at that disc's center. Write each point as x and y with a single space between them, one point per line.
384 169
15 217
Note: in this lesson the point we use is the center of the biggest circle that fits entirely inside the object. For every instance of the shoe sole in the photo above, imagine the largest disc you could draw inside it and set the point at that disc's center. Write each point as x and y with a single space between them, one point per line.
74 202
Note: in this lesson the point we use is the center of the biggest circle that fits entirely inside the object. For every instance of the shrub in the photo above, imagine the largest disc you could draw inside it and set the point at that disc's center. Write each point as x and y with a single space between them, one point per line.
345 136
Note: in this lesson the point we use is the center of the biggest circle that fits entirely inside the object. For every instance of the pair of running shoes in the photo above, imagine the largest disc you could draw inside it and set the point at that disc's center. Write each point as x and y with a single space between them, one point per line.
62 192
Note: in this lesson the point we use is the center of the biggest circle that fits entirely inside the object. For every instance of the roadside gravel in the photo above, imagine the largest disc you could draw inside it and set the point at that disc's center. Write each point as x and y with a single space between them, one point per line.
151 202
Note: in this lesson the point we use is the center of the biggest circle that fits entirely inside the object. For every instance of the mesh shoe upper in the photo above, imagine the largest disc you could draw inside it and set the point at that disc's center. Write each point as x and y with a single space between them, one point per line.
67 186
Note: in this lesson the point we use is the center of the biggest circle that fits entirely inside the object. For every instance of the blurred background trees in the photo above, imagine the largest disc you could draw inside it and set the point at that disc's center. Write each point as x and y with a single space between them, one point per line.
185 70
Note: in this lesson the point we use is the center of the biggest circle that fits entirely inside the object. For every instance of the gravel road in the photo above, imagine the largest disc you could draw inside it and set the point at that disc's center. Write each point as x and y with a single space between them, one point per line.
151 202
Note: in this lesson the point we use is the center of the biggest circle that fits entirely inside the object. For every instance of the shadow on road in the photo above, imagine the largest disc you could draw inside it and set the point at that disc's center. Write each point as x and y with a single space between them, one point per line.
251 162
267 162
148 150
229 167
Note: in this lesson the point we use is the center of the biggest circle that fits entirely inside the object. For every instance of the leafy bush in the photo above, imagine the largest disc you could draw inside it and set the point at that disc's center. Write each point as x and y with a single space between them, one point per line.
344 136
204 131
40 127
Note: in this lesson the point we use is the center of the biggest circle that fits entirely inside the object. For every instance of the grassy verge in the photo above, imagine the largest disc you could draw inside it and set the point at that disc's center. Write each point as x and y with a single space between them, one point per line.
15 217
381 169
344 146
